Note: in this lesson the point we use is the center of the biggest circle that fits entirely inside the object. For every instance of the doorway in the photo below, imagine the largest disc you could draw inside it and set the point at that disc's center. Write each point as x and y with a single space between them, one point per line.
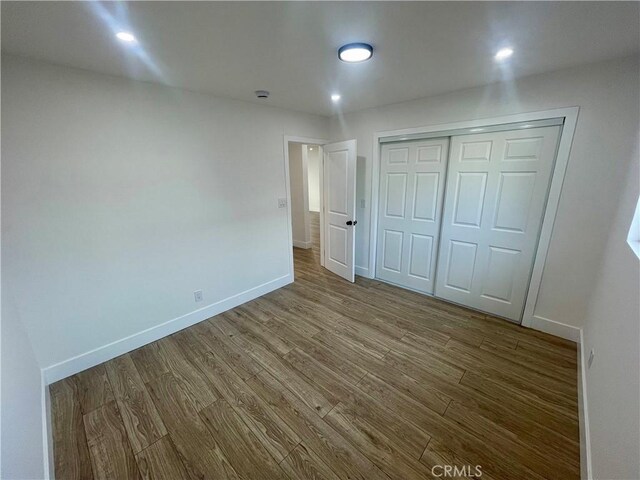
305 161
334 197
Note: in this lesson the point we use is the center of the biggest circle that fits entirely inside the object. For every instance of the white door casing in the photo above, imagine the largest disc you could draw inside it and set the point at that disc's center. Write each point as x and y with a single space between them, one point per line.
412 176
339 204
496 192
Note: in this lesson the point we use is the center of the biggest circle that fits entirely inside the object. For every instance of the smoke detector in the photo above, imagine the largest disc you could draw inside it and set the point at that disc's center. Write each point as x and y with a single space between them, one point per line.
262 94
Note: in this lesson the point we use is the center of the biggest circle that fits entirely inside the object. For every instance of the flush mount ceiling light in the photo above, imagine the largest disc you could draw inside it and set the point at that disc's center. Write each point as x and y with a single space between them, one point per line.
335 98
355 52
503 54
126 37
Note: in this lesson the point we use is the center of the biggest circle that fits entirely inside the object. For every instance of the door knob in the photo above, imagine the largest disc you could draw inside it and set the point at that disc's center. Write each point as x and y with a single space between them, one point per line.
355 222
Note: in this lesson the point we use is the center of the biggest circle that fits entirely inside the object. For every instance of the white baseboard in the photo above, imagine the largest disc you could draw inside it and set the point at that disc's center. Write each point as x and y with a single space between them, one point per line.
586 473
562 330
99 355
362 271
299 244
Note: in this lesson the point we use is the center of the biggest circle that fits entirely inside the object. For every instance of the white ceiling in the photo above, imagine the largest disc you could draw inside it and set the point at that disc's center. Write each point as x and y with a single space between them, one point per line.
231 49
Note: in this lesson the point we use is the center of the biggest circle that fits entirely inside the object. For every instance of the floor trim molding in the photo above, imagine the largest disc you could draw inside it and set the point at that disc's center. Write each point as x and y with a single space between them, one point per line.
586 472
99 355
562 330
300 244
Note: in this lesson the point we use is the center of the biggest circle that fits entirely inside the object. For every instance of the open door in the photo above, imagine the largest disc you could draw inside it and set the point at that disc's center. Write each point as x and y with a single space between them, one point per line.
339 206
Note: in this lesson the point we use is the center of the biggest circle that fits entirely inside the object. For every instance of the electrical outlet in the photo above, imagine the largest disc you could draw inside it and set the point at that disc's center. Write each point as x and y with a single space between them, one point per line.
282 203
197 295
362 203
592 354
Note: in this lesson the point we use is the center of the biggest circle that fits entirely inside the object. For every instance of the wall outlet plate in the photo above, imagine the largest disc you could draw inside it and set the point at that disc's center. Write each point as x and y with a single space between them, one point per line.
197 295
282 202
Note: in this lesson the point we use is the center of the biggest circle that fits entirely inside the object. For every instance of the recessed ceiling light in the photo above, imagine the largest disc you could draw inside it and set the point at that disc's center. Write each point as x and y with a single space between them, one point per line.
335 97
126 37
476 130
503 54
355 52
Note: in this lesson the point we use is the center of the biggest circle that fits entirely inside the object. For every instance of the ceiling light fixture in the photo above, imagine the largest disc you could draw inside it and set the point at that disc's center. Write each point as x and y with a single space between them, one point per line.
503 54
355 52
126 37
335 97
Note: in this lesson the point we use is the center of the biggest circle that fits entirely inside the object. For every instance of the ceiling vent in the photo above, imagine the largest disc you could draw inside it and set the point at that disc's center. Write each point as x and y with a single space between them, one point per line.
262 94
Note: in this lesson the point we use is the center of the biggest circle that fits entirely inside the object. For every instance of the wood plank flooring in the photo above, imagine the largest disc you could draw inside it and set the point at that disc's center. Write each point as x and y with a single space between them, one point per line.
324 379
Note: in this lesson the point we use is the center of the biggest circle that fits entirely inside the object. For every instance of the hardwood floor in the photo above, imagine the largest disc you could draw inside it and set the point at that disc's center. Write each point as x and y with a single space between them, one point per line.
324 379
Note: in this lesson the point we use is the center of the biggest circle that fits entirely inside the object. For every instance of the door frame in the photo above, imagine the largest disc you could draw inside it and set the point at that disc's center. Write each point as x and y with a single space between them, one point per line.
287 181
570 115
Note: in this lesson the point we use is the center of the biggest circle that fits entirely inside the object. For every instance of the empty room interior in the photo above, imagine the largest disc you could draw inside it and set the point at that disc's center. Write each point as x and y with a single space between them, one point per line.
320 240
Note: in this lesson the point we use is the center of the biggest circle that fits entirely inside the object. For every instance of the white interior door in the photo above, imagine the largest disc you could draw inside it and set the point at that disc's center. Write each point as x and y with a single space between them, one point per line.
497 185
339 203
412 176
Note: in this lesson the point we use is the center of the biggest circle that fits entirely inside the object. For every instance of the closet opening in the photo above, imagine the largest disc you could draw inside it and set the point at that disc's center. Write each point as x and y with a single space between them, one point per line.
464 211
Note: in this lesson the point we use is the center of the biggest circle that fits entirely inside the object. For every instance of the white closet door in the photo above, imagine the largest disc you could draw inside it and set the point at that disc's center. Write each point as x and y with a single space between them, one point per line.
497 185
411 190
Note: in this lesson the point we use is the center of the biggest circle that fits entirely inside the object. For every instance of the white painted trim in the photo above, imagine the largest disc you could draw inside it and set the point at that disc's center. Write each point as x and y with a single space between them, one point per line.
47 432
99 355
287 187
321 186
305 194
562 330
287 182
362 271
498 127
586 471
299 244
553 200
373 208
570 115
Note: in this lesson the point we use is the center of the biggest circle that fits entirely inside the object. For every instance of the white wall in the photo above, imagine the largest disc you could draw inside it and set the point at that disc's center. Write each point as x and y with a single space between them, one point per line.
600 154
299 196
313 169
22 423
612 329
120 198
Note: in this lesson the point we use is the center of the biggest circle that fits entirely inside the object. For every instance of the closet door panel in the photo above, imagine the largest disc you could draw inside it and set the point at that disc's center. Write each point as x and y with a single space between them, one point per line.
411 194
497 186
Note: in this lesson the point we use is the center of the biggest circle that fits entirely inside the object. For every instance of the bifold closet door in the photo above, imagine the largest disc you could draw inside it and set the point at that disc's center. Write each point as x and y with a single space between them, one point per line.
411 191
497 186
